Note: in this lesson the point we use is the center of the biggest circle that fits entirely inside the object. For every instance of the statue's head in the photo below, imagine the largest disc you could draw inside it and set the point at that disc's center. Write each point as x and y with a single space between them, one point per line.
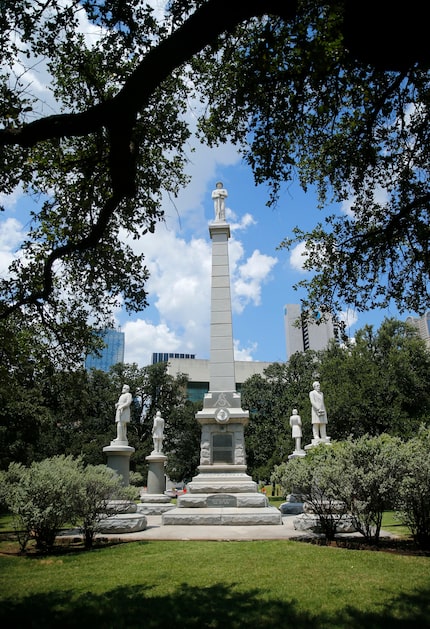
125 388
316 385
219 184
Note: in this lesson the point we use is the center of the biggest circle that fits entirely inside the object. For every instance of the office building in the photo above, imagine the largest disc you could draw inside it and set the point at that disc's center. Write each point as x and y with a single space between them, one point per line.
422 325
164 357
303 333
111 354
197 371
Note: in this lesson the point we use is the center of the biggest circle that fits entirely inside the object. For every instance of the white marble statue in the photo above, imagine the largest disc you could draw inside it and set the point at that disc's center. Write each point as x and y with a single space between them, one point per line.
219 196
122 415
158 433
296 433
319 414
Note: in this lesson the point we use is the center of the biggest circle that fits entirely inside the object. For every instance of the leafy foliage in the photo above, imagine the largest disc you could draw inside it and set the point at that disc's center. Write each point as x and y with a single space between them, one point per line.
270 400
379 383
300 105
41 498
360 479
319 478
414 493
182 442
58 491
374 468
289 82
100 492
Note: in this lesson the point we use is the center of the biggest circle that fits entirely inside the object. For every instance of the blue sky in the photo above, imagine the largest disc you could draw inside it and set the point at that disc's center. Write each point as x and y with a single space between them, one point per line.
179 254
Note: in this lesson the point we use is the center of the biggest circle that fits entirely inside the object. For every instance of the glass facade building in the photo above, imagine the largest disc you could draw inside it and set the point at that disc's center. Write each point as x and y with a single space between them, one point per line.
111 354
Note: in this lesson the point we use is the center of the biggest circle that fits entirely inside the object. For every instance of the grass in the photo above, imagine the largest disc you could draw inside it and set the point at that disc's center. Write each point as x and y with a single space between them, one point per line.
216 585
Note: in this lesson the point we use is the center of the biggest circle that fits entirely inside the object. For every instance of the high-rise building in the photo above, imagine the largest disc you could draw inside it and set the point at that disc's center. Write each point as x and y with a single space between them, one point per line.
111 354
303 333
164 357
422 325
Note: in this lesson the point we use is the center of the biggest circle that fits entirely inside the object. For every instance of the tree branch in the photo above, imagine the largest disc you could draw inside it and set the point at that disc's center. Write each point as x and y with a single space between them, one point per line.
119 113
201 29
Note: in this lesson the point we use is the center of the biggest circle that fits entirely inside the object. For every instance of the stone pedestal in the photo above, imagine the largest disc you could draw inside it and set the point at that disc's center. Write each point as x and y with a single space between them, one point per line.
156 478
154 500
118 458
317 442
297 454
293 505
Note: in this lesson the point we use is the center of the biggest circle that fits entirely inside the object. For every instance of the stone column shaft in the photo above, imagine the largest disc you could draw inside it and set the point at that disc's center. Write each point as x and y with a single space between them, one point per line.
221 364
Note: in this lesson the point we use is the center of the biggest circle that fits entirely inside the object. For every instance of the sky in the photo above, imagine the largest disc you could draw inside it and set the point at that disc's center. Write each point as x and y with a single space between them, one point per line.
178 256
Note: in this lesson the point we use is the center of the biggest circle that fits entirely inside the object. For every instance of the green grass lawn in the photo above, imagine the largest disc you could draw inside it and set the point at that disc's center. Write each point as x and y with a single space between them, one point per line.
190 584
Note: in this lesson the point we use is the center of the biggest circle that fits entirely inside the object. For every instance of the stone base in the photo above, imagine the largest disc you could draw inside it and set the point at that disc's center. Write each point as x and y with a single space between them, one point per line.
154 504
205 501
118 458
297 454
311 522
291 508
121 506
222 495
145 497
123 523
317 442
223 516
222 479
154 508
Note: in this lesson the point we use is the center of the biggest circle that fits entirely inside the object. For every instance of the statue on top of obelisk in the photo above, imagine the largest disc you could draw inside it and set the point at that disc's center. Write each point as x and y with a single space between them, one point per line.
219 196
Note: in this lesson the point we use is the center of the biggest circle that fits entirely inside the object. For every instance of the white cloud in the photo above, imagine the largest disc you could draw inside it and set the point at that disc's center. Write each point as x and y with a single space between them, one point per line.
298 257
143 338
248 278
380 195
348 316
246 221
244 353
11 236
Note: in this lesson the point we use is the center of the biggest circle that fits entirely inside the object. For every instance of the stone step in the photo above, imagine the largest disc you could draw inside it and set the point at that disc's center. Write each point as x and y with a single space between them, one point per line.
227 516
222 500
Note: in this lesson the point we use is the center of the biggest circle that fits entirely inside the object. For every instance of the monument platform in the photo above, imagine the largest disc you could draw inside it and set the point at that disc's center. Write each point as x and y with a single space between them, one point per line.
223 516
222 495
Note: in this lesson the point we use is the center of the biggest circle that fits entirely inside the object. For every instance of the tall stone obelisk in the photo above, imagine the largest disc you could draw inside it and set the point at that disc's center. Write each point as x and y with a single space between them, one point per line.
222 492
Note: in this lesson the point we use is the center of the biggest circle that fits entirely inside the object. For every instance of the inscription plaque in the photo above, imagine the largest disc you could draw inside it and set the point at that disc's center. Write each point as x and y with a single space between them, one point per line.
221 500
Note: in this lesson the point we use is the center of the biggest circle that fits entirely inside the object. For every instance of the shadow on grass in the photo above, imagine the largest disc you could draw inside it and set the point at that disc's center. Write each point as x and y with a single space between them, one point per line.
218 606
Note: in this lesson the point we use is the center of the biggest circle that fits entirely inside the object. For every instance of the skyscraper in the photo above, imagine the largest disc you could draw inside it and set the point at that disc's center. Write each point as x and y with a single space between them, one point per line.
111 354
313 333
422 325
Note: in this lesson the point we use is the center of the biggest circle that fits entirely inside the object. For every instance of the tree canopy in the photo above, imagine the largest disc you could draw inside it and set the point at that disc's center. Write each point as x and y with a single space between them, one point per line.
291 83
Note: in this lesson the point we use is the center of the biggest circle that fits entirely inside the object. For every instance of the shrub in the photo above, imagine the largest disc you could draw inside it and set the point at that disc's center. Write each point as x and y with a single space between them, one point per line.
41 498
99 487
414 491
374 467
318 477
359 478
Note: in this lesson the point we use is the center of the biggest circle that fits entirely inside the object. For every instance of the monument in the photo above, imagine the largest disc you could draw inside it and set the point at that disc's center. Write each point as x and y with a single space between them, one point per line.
119 452
319 417
296 433
222 493
154 500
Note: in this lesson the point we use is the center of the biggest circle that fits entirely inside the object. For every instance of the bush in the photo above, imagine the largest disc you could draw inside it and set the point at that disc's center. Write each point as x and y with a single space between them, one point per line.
41 498
358 478
374 467
318 477
99 487
414 491
46 496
